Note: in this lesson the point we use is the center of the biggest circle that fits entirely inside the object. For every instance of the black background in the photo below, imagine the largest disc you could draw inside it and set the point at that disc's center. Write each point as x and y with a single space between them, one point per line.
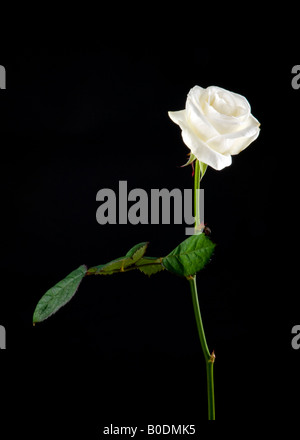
125 350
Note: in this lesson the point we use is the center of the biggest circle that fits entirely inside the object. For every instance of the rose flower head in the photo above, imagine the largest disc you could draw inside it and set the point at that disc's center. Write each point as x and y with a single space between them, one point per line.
216 124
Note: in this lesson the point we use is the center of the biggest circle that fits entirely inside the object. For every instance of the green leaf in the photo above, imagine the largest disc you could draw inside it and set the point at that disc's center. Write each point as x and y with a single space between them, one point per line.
113 266
203 168
93 270
59 295
149 265
190 256
191 160
120 264
137 251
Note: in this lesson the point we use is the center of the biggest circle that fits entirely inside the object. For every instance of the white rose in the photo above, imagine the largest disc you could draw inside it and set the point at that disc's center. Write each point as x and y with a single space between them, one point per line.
216 124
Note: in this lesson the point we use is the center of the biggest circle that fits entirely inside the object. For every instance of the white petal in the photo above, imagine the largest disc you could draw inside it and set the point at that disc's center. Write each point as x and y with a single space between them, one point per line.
195 93
178 117
238 105
203 152
229 143
198 147
243 143
197 119
222 123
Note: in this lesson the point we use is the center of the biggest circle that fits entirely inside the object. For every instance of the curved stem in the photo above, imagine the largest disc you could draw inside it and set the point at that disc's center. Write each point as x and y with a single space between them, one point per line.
199 323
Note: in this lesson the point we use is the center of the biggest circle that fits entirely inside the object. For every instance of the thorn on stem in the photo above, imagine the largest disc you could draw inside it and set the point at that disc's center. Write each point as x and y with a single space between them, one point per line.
212 357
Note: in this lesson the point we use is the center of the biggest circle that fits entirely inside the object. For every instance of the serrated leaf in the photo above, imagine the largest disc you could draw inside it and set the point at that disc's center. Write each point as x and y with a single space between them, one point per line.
113 266
137 251
58 295
122 263
190 256
149 265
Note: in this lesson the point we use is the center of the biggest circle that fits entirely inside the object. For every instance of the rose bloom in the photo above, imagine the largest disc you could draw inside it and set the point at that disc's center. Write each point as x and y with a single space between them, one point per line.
216 124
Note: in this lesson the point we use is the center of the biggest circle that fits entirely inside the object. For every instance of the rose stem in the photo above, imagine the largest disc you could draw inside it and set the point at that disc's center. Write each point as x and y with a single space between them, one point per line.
209 358
197 178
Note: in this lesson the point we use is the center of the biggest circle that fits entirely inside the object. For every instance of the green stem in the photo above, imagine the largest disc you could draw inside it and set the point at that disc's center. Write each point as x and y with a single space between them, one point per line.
197 179
199 323
209 358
